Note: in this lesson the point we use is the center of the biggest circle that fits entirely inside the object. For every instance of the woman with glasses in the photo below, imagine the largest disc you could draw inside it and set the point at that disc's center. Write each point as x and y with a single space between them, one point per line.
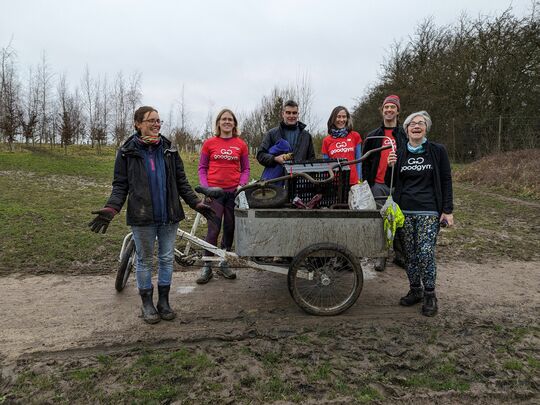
424 193
149 173
224 163
342 141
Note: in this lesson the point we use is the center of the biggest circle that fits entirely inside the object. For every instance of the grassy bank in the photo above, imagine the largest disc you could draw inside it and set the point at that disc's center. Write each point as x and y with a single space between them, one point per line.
47 197
45 204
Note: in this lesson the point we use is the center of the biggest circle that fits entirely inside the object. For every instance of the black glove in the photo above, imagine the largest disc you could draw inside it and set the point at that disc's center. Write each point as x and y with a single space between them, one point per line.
205 210
101 222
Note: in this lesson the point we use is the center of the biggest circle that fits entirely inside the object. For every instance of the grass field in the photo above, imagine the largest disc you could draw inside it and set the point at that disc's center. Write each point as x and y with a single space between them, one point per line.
45 203
47 197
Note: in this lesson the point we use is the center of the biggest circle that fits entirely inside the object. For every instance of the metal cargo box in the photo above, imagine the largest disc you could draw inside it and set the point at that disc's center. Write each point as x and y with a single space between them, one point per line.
285 232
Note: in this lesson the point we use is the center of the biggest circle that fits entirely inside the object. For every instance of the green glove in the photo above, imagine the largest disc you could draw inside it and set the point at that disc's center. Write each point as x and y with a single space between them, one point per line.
102 220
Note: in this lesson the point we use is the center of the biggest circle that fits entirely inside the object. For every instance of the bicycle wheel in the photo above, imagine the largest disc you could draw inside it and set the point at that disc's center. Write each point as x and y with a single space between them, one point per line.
127 262
325 279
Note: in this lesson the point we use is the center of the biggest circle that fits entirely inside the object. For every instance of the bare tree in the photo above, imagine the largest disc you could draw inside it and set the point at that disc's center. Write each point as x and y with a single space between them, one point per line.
10 111
69 117
44 83
30 108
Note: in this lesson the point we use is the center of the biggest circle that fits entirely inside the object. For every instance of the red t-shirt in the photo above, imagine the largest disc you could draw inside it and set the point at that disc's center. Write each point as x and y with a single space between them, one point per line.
343 148
224 161
383 163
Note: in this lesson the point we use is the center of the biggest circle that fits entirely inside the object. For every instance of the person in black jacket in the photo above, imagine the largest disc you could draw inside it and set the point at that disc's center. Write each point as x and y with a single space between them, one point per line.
375 168
149 173
424 193
294 132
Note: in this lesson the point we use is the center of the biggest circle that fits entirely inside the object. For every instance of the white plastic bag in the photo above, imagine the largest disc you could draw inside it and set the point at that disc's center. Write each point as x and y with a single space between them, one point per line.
361 198
241 200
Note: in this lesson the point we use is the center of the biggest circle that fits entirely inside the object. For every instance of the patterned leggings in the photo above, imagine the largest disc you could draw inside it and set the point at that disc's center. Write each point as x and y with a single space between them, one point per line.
419 237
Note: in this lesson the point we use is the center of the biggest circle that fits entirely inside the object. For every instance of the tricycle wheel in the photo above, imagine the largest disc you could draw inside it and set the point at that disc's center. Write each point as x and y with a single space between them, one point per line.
268 196
127 261
325 279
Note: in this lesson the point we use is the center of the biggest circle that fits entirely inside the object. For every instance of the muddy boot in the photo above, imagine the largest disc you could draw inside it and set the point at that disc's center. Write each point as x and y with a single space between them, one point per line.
429 308
163 308
149 312
206 274
225 271
414 296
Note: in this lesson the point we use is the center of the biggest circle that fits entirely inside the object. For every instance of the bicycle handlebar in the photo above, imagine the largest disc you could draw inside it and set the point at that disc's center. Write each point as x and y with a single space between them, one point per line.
212 192
331 167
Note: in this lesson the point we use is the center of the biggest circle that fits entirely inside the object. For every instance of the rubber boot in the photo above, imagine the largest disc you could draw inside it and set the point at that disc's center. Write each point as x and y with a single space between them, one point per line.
149 312
429 307
414 296
163 308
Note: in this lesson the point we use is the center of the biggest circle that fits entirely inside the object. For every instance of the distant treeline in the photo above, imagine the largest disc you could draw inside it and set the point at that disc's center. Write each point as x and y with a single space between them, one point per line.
479 79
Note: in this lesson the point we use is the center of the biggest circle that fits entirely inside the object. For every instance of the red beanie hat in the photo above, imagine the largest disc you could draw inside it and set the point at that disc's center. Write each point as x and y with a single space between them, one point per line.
392 98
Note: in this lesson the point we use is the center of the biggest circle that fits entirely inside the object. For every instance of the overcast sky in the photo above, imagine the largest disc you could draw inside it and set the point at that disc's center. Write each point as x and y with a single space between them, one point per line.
226 53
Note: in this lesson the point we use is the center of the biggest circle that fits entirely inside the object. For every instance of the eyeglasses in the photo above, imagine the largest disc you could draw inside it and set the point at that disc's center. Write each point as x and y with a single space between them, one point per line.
154 121
419 123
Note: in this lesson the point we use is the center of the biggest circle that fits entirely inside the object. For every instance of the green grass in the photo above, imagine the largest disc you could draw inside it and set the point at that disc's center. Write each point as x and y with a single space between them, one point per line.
45 206
367 394
203 372
153 376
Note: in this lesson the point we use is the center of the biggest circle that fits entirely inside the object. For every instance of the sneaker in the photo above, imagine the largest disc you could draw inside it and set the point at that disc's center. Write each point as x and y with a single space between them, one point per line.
429 308
414 296
225 271
206 275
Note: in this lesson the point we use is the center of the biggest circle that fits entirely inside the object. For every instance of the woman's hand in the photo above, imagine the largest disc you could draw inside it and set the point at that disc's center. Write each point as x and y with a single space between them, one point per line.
392 159
447 219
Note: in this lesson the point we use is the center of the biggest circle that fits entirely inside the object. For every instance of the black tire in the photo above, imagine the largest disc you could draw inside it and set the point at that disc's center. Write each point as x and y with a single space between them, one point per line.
269 196
127 262
325 279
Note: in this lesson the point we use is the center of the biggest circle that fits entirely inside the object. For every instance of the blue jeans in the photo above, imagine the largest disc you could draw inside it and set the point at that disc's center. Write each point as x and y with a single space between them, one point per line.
145 238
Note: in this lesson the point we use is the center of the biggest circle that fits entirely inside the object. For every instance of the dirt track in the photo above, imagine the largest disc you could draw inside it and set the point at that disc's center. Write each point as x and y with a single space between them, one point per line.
50 316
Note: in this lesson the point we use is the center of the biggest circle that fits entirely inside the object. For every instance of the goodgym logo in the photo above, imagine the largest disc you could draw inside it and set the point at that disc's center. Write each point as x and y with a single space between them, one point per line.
225 154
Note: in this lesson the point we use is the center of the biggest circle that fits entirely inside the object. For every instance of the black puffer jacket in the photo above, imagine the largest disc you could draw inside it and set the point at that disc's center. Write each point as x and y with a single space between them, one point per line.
131 182
303 151
442 176
371 165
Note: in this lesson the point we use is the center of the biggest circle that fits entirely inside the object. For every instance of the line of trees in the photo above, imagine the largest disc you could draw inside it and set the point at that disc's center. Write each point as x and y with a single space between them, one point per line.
479 79
44 109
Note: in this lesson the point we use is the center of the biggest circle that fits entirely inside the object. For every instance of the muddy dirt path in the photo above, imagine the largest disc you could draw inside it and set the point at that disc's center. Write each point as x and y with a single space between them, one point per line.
60 316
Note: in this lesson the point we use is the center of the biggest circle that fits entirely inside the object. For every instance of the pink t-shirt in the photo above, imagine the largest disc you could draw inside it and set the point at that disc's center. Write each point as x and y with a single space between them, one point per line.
344 148
224 163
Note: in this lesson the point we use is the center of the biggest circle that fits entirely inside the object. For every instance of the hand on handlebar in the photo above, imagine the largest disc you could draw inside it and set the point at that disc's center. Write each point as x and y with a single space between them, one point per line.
392 159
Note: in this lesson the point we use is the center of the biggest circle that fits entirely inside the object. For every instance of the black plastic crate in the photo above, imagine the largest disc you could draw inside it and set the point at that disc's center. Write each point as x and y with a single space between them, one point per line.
333 192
